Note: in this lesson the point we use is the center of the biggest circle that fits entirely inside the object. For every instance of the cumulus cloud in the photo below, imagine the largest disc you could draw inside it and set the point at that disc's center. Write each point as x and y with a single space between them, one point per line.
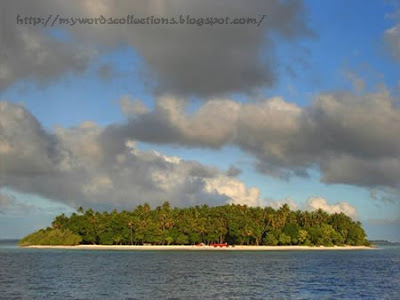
236 190
86 165
218 59
210 126
315 203
352 138
25 148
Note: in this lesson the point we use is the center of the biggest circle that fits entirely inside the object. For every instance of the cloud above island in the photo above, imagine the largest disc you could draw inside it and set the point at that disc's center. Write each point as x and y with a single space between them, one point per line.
86 166
352 138
315 203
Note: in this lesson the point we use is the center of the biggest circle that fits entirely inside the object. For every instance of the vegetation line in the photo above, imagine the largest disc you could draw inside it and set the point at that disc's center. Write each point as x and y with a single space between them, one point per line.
232 224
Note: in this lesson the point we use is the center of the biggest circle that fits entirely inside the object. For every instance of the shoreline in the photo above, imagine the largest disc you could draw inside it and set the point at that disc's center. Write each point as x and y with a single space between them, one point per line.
199 248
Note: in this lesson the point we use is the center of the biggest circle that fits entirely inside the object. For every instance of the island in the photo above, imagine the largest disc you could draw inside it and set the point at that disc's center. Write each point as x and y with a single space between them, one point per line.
385 243
227 227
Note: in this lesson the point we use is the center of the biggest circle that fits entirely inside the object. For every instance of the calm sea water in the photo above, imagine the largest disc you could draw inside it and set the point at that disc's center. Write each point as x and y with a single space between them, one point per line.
71 274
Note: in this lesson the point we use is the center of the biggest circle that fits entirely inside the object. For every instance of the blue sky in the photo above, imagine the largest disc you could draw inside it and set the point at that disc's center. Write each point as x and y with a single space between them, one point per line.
347 42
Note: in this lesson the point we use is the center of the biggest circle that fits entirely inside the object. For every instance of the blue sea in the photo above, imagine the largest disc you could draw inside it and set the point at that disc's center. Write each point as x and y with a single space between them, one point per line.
72 274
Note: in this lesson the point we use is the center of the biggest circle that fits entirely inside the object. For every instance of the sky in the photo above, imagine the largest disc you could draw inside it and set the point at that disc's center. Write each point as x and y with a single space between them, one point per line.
302 108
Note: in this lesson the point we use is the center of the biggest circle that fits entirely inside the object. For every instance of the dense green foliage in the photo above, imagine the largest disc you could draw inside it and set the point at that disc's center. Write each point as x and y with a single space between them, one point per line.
234 224
51 236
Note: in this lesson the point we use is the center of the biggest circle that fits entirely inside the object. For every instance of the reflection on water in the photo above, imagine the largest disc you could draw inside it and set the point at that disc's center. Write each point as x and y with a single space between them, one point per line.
39 273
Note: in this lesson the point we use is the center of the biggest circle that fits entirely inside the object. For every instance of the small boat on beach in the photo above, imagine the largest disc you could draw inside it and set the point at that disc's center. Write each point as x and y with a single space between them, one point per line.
215 245
221 245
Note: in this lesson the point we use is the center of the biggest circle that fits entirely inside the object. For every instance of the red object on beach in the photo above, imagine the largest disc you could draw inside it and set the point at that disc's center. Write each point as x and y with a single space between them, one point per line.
219 245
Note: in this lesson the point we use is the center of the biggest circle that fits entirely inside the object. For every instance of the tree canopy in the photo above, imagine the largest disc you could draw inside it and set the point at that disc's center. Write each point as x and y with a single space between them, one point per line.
51 236
233 224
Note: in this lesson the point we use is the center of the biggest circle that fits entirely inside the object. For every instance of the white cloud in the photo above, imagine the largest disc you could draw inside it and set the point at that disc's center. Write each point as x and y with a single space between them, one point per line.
315 203
234 189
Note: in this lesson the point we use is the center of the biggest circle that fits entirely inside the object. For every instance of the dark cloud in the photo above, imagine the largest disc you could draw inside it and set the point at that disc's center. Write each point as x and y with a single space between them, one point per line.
181 59
352 138
29 52
25 148
211 126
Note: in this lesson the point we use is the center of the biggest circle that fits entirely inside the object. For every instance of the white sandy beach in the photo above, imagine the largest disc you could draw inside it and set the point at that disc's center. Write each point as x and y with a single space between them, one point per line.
201 248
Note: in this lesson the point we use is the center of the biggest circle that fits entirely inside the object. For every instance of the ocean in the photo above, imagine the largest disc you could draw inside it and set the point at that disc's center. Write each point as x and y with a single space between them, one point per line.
76 274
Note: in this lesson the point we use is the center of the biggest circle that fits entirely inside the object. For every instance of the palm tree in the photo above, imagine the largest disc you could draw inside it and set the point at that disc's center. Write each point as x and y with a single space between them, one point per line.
130 224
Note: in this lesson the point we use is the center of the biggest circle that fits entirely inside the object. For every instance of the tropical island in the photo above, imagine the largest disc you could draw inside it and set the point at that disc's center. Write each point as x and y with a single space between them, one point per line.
234 225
